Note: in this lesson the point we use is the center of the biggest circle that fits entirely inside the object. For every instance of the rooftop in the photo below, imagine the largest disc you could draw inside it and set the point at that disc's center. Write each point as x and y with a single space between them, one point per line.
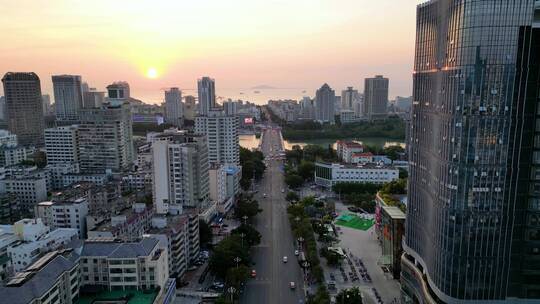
38 278
113 249
394 212
356 166
127 297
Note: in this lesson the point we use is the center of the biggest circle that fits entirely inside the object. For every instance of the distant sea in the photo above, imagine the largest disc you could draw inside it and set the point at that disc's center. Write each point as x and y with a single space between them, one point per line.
261 98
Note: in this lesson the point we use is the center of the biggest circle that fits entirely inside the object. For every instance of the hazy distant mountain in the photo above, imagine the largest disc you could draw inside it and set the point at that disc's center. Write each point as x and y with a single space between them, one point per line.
263 87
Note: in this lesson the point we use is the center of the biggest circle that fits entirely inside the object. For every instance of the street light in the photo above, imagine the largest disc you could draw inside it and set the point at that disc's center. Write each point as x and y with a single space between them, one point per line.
237 260
231 291
242 235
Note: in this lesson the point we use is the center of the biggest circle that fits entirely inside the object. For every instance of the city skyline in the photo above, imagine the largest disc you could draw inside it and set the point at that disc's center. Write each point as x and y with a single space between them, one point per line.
152 48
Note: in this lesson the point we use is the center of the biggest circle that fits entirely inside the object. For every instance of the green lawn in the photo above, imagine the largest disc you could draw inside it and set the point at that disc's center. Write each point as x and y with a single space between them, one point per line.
355 222
138 297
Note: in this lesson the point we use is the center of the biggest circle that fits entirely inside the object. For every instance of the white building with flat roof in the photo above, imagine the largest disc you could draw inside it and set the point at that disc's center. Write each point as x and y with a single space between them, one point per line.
141 265
327 175
222 137
62 145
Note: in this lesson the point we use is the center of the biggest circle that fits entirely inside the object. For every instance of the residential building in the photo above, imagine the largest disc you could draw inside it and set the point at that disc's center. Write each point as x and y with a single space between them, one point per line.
24 107
3 114
64 214
47 106
110 265
128 225
175 232
376 97
68 97
346 149
218 183
99 179
106 138
287 110
53 279
230 107
403 104
473 228
27 250
174 107
10 156
222 137
307 111
10 209
93 99
207 95
180 172
327 175
324 104
62 145
347 117
30 186
190 107
349 99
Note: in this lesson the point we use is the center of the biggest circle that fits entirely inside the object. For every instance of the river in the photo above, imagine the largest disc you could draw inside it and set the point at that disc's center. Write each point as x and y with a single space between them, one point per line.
251 142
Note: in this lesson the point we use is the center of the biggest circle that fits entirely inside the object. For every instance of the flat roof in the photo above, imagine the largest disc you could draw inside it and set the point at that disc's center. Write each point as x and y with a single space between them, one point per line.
136 297
394 212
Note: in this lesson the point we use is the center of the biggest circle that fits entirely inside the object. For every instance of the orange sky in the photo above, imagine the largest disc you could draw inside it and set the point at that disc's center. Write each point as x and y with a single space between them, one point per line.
240 43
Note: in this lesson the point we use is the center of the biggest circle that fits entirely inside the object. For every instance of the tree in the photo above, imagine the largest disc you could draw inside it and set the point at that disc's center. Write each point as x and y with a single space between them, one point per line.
248 208
292 196
205 232
306 169
393 152
225 253
348 187
252 237
403 173
332 258
398 186
321 296
349 296
294 181
236 276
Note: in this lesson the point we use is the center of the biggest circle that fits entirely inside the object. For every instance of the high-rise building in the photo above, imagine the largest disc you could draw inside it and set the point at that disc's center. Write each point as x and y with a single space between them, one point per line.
306 108
221 135
62 145
324 104
47 106
230 107
106 138
118 93
473 213
207 95
376 97
190 107
93 99
349 98
3 114
180 172
24 107
174 107
68 96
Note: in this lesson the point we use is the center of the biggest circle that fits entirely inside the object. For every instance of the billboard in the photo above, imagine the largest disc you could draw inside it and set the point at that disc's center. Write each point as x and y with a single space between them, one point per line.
248 120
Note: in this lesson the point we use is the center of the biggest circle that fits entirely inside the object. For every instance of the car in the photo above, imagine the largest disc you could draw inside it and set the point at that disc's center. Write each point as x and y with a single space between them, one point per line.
264 194
253 273
285 259
296 252
292 285
282 190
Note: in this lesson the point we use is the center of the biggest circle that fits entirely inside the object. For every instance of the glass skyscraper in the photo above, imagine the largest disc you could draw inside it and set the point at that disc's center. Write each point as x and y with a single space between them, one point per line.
473 219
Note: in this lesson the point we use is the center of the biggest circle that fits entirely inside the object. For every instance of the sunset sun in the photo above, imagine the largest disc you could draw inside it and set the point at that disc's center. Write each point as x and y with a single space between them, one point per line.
152 73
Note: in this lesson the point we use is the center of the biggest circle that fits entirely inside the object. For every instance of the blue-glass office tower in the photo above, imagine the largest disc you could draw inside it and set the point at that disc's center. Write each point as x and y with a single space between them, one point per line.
473 219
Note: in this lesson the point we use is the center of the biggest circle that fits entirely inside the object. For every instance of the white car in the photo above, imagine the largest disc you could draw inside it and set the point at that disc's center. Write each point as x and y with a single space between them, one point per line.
296 252
282 190
285 259
264 194
292 285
